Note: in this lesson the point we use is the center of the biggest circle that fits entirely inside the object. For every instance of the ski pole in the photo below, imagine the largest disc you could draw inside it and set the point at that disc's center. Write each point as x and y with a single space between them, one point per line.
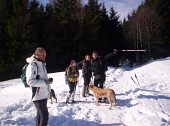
91 80
134 81
137 79
79 88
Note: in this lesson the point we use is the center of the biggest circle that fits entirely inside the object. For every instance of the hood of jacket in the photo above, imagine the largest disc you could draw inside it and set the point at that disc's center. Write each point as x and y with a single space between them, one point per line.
34 59
31 59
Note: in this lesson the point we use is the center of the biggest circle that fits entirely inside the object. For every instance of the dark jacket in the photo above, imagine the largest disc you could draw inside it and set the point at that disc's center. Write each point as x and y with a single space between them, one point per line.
86 68
99 65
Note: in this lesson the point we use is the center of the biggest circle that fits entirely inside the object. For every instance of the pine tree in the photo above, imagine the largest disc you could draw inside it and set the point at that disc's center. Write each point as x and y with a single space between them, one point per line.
104 39
91 26
19 31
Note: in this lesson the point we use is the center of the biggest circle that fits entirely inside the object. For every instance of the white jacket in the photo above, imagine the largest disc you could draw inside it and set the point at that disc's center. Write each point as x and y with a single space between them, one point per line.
39 89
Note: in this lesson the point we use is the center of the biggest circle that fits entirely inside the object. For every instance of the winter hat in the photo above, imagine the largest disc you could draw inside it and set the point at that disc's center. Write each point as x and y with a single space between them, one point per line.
72 61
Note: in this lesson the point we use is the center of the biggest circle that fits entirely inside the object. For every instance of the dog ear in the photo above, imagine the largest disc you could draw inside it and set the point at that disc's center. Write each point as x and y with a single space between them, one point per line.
90 86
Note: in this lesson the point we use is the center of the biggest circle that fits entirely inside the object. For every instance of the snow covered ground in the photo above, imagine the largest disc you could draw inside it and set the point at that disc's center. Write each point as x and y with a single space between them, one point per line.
147 105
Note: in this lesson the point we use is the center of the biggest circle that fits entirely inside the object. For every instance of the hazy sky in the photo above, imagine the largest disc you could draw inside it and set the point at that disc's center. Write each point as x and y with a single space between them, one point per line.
122 7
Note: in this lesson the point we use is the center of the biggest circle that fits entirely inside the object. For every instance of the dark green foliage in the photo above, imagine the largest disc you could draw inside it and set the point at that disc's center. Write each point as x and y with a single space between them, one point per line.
67 29
91 26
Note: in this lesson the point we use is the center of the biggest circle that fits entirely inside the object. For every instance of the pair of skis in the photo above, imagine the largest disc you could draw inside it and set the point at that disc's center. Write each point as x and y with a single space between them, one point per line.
137 83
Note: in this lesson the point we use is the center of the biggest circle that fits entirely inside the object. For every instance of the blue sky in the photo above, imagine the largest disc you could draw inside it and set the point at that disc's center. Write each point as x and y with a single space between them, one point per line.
122 7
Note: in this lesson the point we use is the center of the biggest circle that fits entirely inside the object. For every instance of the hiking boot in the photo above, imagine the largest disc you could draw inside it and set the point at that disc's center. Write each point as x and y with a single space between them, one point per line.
66 102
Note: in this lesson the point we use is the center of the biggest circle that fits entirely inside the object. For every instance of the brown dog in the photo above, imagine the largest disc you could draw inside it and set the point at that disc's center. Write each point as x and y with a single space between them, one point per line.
52 95
99 93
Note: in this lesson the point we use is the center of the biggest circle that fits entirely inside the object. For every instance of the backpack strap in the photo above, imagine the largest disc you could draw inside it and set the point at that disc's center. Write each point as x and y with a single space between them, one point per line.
100 60
37 76
91 62
36 65
68 71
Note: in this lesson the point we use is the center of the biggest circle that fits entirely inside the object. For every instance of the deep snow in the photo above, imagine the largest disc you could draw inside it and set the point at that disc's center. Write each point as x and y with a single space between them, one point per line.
147 105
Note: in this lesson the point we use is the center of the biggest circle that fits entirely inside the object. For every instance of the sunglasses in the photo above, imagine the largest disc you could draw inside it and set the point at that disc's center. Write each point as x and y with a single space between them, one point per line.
42 54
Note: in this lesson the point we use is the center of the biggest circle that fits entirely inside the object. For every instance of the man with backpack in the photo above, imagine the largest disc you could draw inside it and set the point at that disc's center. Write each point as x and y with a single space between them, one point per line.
99 67
37 79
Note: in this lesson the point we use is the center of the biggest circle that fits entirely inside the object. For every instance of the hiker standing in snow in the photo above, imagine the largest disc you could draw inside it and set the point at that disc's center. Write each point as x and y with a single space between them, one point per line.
72 74
37 79
99 67
86 74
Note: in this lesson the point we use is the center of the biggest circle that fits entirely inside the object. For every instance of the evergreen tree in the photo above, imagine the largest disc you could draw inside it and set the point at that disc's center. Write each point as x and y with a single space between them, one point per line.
37 23
4 37
91 26
115 29
19 32
67 25
104 39
115 35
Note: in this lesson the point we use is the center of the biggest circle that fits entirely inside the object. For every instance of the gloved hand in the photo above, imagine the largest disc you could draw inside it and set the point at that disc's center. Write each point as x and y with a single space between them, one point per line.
49 81
76 75
115 50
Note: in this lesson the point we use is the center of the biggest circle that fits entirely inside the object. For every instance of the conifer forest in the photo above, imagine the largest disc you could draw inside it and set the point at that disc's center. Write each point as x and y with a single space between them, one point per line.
69 29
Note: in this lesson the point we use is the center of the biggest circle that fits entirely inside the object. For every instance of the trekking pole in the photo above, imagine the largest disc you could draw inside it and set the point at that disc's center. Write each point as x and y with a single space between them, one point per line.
91 80
132 50
134 81
79 88
137 79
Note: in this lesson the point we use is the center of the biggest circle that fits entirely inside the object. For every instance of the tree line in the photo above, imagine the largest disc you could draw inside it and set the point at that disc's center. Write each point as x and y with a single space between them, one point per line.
69 29
148 27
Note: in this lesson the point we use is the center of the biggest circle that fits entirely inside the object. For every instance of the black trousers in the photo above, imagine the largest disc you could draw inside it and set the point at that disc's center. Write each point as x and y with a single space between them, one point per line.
42 112
99 81
72 86
86 85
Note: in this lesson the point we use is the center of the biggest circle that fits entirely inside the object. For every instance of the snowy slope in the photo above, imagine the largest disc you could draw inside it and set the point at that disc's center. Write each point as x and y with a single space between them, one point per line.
147 105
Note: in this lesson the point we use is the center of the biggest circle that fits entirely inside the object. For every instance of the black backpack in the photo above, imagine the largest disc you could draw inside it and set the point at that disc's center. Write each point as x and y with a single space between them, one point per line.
23 75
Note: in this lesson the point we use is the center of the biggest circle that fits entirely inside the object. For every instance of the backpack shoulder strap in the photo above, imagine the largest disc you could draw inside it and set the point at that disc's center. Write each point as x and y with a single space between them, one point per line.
91 61
35 65
68 71
100 60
